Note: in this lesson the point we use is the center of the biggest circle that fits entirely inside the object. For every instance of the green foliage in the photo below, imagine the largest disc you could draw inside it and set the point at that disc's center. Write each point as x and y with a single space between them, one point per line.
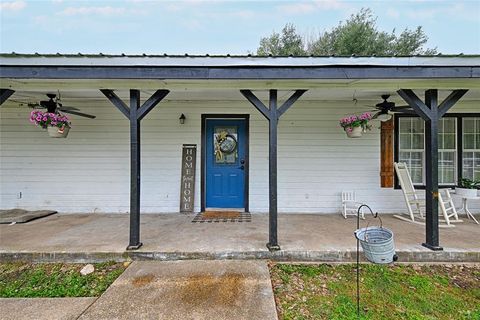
401 292
22 280
287 43
358 35
469 184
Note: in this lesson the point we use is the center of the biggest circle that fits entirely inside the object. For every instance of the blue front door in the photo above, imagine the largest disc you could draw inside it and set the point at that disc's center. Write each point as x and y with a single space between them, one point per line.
225 163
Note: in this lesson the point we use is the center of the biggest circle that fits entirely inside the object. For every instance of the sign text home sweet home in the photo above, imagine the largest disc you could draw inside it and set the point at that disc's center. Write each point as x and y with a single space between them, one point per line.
187 183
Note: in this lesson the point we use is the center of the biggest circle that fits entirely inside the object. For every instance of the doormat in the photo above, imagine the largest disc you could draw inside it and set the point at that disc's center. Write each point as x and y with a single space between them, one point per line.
22 216
223 216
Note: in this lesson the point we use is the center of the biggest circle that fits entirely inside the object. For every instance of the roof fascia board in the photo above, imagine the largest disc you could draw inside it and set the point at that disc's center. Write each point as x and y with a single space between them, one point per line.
233 72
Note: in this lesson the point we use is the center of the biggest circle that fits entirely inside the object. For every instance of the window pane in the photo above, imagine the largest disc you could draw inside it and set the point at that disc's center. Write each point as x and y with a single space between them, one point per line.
446 167
440 141
417 141
416 175
471 145
404 125
417 125
449 125
469 141
471 165
405 141
468 125
225 144
448 141
414 161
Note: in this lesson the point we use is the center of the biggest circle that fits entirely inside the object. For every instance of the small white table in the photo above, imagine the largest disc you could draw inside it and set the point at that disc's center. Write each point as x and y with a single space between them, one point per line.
465 206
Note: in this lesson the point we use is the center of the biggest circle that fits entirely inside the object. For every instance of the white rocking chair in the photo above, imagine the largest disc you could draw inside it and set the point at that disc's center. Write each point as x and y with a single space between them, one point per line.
447 207
412 199
409 193
350 205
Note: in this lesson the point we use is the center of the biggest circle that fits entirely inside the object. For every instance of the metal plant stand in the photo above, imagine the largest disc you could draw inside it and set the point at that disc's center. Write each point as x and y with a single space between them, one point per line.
395 257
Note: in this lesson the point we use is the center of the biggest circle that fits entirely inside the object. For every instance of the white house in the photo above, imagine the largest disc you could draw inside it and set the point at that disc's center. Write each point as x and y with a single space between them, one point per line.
90 171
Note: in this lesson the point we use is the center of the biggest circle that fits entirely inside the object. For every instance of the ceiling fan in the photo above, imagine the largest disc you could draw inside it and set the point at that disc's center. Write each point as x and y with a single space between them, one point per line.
54 106
385 108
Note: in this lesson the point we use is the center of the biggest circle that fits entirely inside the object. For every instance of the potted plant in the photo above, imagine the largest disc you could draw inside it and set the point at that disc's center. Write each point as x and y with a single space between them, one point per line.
355 125
467 188
57 124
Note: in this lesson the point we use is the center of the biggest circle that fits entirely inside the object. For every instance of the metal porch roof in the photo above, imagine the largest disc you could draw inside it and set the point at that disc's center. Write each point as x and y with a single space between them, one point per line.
165 60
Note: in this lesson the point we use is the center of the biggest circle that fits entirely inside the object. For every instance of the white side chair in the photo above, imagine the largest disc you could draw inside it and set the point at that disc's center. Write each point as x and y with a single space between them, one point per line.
350 205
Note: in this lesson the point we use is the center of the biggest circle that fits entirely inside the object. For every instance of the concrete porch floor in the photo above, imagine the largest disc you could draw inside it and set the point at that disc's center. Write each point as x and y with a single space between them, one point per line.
302 237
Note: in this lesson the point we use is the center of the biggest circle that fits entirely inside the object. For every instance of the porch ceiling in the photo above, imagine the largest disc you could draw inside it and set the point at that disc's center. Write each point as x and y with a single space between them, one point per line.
368 91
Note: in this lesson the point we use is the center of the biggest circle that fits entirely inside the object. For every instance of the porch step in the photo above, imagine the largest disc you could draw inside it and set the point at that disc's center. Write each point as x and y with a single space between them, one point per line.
345 256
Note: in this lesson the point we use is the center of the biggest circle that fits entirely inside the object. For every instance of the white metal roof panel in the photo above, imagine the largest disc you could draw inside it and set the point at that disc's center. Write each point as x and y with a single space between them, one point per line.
233 61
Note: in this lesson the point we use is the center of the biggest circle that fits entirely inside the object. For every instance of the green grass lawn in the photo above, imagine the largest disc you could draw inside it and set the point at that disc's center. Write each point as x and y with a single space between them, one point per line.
387 292
25 280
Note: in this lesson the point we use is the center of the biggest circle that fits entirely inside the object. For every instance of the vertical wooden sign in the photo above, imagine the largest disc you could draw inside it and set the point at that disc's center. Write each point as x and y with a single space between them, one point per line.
187 182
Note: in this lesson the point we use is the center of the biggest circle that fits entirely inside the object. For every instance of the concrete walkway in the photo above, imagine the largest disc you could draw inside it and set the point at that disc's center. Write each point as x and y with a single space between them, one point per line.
186 290
100 237
43 308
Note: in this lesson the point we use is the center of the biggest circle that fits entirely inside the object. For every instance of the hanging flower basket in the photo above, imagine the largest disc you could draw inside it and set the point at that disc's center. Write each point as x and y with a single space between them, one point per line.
57 125
56 132
354 132
355 125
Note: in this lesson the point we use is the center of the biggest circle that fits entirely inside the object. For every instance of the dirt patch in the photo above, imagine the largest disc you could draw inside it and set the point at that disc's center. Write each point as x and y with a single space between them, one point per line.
217 290
461 276
143 280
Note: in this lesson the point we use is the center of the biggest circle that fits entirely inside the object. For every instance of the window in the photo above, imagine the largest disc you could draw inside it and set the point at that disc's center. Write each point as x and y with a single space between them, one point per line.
458 147
471 148
411 146
447 151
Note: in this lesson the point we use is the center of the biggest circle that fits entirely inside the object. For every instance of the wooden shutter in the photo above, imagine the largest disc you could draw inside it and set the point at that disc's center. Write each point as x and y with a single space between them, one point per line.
386 154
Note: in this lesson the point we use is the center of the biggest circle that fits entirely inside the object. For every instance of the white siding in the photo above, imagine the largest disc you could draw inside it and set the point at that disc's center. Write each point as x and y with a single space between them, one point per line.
89 171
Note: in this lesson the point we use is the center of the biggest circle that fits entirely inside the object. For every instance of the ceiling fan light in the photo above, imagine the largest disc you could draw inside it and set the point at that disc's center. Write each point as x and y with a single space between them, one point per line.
384 117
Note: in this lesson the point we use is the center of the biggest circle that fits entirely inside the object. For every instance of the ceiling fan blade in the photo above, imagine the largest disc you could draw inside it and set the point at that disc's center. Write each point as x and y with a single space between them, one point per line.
67 108
35 105
405 111
376 115
85 115
401 107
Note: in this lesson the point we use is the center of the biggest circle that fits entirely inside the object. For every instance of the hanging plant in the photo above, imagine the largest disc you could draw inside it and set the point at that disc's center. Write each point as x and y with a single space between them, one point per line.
56 124
355 125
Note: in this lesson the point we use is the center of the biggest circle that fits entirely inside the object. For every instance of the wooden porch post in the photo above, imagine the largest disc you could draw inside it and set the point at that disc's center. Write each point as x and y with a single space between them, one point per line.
431 112
272 114
5 94
135 114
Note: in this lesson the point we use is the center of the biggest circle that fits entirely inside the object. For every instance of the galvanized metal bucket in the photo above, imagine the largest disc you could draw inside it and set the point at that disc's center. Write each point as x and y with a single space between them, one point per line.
377 244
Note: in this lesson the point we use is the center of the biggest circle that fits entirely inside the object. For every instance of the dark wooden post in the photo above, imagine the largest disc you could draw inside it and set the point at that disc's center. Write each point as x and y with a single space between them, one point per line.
134 171
431 112
5 94
272 173
135 114
431 172
272 114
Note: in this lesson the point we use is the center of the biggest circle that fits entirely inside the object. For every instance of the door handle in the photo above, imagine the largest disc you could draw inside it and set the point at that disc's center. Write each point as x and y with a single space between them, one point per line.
242 167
